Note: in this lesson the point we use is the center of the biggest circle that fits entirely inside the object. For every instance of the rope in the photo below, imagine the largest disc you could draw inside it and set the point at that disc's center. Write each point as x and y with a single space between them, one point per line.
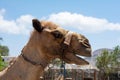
63 70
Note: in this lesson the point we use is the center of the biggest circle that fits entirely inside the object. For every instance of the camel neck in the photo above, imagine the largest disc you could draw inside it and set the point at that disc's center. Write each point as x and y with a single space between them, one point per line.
22 70
32 62
34 56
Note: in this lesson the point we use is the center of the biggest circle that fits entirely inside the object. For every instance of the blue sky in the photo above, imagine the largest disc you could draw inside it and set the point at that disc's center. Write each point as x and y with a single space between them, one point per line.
98 20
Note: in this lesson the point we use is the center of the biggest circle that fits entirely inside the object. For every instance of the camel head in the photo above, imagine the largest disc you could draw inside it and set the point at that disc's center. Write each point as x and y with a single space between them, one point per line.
56 42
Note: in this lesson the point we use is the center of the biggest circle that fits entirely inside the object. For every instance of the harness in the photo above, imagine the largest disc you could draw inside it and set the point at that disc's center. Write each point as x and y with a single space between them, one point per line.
64 46
62 67
30 61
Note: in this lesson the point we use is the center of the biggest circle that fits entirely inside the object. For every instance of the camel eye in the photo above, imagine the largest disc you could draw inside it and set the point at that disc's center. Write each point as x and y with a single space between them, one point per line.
57 34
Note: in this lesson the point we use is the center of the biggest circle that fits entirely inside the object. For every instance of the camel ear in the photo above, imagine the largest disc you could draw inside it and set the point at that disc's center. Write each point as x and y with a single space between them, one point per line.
37 25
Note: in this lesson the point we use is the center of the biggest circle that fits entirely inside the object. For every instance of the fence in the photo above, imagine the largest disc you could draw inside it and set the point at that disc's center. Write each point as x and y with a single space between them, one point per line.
114 76
71 74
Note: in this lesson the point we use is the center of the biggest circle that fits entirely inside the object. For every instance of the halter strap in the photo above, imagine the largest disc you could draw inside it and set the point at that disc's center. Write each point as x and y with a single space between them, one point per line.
30 61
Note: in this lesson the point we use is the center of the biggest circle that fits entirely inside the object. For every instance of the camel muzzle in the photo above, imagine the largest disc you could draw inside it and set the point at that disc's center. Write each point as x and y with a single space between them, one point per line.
73 55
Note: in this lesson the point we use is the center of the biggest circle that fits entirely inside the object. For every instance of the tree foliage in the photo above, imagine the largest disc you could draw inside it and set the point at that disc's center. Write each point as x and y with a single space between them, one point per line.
116 57
2 64
4 51
108 61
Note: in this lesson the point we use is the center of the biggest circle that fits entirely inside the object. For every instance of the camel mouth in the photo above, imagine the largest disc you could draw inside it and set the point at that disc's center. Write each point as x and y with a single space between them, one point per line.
82 60
72 58
77 56
78 46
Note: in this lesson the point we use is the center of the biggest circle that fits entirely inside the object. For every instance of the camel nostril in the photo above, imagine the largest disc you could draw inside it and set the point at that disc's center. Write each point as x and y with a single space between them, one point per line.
86 44
83 42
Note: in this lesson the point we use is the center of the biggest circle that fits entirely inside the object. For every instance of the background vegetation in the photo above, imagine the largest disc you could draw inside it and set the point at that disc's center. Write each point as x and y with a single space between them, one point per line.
107 62
4 51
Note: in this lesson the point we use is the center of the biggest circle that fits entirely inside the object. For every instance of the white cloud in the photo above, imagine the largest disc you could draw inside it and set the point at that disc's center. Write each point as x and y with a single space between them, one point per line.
21 25
83 23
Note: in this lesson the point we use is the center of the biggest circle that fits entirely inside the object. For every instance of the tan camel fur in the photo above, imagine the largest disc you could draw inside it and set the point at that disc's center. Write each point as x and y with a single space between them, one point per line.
47 42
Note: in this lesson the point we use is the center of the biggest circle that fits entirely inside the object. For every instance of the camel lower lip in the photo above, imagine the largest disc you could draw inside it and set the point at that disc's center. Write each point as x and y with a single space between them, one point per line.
82 57
79 56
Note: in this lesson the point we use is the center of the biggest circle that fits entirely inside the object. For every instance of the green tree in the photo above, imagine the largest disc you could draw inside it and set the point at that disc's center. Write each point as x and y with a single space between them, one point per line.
116 57
102 63
2 64
108 61
3 52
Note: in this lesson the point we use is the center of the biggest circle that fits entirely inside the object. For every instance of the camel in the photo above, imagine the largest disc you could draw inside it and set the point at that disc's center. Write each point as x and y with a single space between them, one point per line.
47 42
